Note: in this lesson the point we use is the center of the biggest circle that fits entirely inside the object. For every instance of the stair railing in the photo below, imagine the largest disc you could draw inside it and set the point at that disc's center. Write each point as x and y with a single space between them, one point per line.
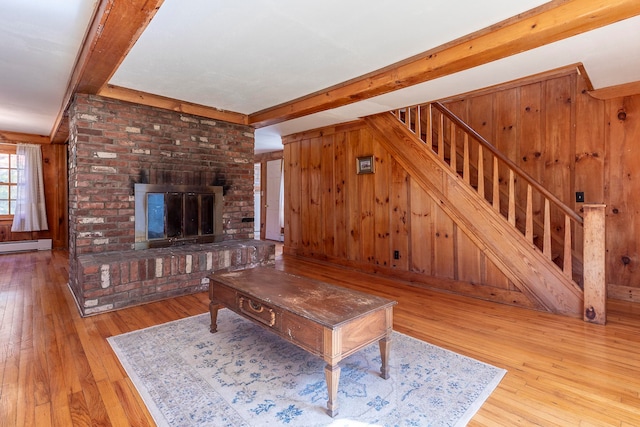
481 162
507 188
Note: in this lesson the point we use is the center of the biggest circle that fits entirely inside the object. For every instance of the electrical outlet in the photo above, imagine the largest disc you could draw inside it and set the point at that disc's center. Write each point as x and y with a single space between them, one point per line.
396 254
579 196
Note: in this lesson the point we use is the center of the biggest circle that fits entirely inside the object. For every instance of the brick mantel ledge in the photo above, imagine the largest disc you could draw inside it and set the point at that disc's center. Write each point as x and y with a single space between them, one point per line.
114 280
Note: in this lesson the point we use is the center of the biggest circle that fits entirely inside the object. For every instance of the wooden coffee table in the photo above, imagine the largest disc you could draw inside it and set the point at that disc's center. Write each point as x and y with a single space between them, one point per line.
328 321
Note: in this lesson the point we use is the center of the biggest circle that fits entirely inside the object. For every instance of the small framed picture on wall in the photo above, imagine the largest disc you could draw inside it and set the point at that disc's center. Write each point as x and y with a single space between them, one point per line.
365 164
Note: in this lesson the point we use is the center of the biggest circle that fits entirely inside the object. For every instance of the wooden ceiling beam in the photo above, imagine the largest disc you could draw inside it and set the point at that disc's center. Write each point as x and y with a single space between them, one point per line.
120 25
115 28
138 97
551 22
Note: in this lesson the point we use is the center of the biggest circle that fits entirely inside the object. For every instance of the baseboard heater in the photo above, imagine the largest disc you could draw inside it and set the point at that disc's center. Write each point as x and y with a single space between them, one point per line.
25 245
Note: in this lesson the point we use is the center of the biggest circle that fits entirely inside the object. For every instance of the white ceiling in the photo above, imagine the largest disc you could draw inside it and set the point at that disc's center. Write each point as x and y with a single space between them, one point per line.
39 42
246 56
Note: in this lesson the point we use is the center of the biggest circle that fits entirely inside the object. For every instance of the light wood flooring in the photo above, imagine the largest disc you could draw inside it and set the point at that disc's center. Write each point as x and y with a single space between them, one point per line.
56 368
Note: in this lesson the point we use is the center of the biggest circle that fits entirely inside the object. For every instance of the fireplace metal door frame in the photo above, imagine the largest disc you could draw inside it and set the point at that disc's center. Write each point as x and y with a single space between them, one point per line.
141 191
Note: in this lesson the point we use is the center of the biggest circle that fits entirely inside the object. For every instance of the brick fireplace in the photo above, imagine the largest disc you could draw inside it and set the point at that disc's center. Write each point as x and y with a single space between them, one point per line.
115 145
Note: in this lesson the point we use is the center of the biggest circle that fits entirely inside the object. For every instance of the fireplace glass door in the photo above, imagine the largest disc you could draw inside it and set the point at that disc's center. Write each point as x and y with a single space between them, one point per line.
167 215
179 215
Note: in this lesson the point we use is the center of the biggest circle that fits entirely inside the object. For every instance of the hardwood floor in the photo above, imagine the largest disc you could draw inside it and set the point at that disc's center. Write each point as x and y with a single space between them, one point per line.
56 368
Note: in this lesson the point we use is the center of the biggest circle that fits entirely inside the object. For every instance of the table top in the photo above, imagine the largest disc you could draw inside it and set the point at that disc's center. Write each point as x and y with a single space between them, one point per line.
323 303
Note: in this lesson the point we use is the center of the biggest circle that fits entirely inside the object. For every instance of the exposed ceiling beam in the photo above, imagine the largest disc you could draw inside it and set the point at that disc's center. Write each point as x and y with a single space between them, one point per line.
551 22
120 26
115 29
130 95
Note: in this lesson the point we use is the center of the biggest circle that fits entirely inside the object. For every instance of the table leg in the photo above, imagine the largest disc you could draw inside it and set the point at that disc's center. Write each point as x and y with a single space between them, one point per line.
213 309
385 349
332 376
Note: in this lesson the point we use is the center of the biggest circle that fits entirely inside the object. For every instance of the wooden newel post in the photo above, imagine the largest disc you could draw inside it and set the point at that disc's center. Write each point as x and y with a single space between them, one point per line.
595 279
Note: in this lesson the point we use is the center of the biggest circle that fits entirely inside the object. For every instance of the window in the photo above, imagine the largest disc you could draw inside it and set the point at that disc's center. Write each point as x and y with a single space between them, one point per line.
8 181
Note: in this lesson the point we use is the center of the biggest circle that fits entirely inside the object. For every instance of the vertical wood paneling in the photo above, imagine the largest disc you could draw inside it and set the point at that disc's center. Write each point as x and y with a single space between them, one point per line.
56 189
480 117
590 145
293 180
533 124
506 124
421 230
506 140
341 168
381 213
532 152
458 249
482 121
459 109
557 175
590 152
353 207
493 276
444 244
328 197
469 259
623 203
531 130
314 191
366 195
306 177
400 218
573 91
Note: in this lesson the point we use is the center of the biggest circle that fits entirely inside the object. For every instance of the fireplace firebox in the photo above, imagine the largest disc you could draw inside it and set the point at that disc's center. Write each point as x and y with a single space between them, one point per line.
170 215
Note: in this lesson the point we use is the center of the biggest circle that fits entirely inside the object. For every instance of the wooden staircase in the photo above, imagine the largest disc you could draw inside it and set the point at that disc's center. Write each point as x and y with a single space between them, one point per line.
476 186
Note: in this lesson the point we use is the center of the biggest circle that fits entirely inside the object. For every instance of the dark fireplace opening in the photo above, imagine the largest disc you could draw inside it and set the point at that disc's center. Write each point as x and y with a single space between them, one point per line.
169 215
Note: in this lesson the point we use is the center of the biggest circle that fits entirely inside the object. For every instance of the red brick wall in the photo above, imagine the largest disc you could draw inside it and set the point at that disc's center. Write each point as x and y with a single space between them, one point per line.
114 144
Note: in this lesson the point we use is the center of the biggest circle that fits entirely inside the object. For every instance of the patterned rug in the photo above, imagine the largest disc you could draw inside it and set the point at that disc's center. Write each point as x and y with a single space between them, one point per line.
244 375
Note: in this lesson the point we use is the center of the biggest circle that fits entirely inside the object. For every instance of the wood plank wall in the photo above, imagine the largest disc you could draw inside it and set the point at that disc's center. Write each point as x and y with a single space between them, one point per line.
622 187
548 124
361 221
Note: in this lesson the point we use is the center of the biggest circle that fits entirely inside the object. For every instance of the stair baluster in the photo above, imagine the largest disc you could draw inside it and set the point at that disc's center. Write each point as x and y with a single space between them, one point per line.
438 121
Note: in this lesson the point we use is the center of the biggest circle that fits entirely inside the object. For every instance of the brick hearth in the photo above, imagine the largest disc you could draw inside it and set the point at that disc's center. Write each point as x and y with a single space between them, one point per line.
113 280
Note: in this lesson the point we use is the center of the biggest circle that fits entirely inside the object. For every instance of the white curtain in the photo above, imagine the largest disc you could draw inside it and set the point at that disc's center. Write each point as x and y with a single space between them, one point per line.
30 213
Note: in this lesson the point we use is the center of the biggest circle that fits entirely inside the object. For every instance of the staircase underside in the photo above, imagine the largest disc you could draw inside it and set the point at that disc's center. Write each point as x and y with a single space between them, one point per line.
530 271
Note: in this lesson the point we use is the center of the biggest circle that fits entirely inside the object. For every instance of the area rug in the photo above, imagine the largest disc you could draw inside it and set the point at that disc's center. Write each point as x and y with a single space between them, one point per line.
244 375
